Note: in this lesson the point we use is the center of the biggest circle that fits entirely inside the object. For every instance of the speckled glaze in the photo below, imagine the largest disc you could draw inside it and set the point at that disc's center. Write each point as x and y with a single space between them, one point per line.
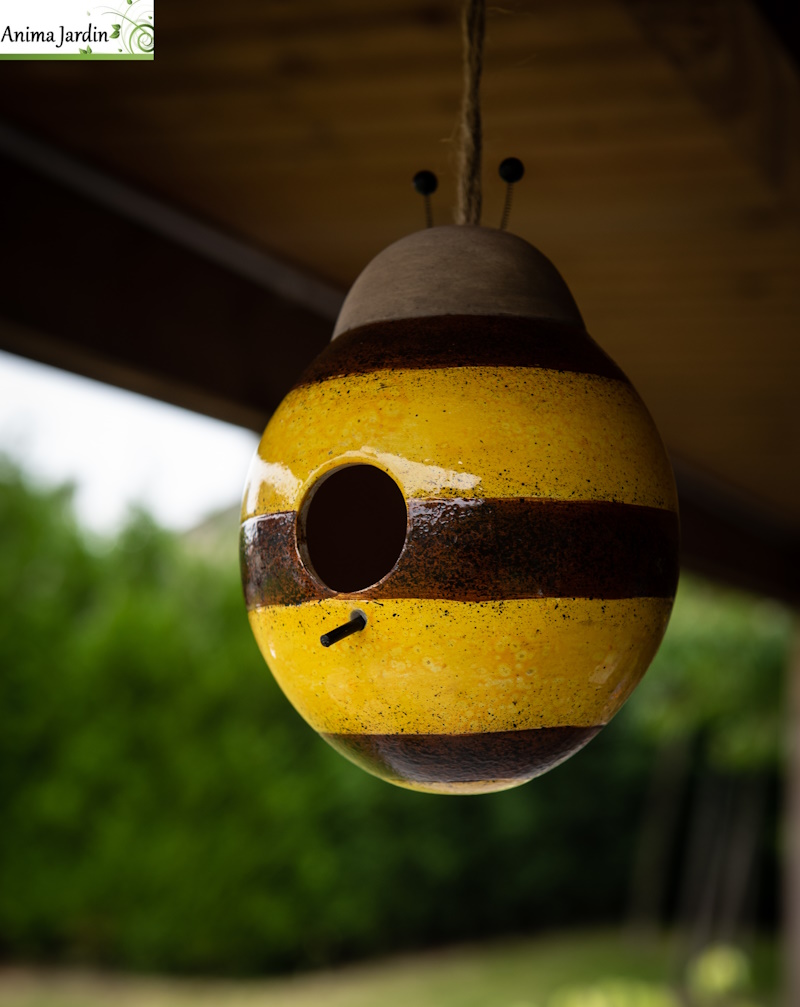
541 551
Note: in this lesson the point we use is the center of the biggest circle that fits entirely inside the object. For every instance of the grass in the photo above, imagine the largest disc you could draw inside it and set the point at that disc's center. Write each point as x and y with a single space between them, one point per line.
520 974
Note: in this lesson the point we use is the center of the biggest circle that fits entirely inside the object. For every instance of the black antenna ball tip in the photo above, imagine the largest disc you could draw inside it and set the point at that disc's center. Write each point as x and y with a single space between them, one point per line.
511 170
425 182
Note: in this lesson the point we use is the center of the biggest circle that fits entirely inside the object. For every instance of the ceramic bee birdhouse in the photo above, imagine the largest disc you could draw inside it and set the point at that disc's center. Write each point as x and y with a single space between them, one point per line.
465 478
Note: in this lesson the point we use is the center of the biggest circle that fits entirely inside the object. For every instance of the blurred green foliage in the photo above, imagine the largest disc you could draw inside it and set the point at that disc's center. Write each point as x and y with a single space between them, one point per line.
164 808
720 674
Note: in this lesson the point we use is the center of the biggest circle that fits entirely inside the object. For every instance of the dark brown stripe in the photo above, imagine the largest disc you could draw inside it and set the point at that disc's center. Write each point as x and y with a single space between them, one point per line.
272 572
462 758
462 341
490 549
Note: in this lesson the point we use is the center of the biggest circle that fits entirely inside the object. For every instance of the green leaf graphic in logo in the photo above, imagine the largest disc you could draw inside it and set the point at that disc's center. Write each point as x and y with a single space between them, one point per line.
135 29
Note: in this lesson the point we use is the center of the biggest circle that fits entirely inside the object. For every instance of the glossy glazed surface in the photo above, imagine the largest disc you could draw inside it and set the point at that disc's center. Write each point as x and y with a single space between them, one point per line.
444 667
540 559
466 432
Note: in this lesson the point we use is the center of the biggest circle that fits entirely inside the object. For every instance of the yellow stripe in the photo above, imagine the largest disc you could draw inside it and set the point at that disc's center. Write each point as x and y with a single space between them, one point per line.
448 667
467 432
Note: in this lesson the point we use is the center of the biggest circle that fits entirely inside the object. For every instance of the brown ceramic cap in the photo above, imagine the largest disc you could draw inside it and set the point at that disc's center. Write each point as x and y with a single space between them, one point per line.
458 270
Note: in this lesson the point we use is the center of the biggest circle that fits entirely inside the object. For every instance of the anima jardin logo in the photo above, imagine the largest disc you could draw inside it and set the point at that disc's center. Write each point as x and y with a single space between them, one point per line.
67 29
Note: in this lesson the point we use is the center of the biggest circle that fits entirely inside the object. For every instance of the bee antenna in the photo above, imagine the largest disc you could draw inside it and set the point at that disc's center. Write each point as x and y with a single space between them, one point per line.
426 183
511 170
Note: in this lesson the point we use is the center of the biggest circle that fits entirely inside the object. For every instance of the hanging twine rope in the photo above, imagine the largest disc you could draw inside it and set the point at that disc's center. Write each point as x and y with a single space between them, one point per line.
468 210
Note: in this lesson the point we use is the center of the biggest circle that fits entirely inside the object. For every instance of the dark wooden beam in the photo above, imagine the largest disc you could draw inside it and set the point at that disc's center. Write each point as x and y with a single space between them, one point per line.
104 281
731 538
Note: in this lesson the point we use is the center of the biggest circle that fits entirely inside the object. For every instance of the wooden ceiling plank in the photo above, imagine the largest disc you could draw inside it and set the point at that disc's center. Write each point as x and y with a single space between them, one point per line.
298 126
738 70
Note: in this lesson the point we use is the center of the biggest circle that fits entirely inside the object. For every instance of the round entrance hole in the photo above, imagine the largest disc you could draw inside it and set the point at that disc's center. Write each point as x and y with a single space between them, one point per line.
352 527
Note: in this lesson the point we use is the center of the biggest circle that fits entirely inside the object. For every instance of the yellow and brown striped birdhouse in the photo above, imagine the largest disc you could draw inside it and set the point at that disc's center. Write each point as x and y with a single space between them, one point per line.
465 478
